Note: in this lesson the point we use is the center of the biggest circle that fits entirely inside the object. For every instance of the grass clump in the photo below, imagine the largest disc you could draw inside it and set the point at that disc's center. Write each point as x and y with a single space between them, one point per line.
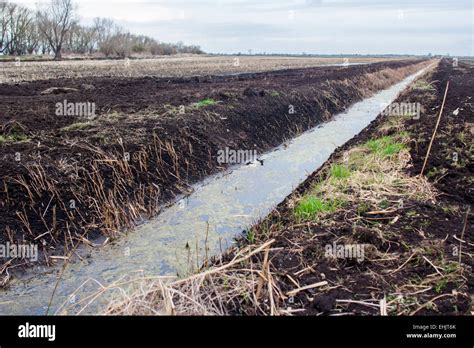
393 149
251 236
385 146
205 102
310 207
363 208
13 138
77 126
422 85
339 171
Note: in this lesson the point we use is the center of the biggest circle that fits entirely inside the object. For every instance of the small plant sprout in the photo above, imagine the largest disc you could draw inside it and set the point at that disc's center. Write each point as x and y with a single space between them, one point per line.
250 236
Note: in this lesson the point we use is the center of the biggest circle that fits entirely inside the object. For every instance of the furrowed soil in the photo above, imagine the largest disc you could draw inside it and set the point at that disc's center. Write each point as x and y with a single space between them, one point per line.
68 177
407 239
162 66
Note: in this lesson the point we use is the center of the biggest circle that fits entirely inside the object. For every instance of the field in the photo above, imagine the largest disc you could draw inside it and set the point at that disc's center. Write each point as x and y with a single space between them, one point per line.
71 176
415 227
178 163
91 149
162 67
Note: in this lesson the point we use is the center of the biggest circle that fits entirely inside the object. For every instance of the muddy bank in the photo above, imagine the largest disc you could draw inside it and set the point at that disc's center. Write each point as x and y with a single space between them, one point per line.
70 179
407 242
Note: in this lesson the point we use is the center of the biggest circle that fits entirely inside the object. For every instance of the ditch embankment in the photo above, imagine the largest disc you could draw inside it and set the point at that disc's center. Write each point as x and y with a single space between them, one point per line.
366 234
70 179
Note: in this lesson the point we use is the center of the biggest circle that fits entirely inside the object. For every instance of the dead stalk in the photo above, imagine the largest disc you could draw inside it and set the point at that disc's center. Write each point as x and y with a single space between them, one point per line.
435 130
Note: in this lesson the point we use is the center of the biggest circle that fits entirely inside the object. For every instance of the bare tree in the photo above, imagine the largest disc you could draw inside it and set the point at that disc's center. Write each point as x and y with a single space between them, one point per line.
55 20
21 29
104 28
91 39
4 24
31 38
78 39
54 28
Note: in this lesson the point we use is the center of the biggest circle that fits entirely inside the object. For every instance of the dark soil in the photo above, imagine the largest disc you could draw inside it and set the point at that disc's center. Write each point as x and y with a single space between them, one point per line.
68 179
422 231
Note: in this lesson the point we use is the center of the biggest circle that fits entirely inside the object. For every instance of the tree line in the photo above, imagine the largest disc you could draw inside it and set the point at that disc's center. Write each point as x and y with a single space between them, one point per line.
54 28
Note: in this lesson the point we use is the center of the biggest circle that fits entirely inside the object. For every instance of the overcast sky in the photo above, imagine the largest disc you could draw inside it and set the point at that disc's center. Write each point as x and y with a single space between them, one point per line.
296 26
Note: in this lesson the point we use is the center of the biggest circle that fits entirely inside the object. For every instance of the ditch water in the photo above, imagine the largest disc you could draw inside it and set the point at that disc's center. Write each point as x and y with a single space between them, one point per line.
219 209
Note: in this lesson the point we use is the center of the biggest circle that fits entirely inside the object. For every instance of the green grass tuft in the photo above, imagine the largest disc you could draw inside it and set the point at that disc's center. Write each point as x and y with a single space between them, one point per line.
13 138
339 171
385 146
310 207
205 102
251 236
393 149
